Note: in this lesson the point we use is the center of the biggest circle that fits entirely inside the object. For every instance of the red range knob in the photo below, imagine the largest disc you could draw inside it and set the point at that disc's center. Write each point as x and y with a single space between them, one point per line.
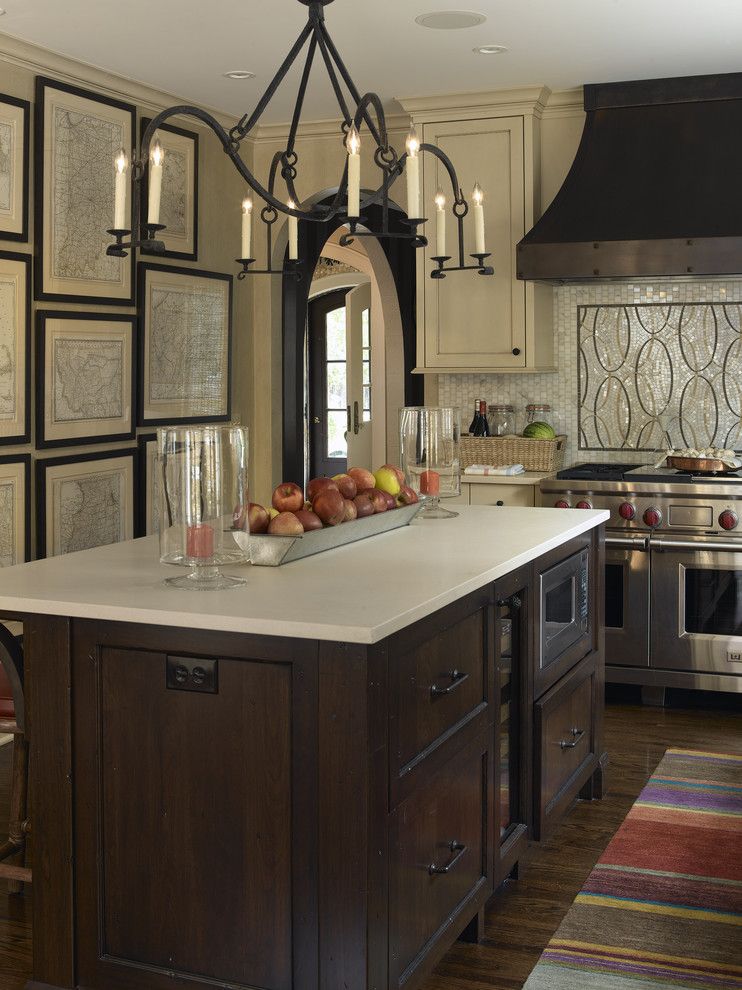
653 517
584 504
561 504
627 511
728 519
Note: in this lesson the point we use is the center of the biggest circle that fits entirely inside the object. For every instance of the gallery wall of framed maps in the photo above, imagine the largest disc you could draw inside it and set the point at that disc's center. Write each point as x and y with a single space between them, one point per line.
96 351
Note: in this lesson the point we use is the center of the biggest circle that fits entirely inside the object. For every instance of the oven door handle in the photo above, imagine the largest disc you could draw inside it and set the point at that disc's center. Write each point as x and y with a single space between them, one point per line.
715 546
628 542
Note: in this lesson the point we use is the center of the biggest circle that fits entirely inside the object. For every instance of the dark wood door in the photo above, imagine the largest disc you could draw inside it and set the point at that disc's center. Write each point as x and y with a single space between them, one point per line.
328 403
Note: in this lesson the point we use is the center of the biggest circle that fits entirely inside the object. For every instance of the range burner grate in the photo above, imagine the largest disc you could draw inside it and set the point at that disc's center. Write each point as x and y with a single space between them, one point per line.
595 472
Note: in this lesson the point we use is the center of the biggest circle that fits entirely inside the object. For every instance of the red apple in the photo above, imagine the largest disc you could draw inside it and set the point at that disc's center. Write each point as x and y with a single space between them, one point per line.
287 497
351 512
391 501
257 518
363 478
308 519
330 507
397 470
378 499
407 496
364 505
285 524
346 486
317 485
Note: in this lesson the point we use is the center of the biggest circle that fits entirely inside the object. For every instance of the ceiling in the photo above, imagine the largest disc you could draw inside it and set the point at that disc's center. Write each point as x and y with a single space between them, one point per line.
185 46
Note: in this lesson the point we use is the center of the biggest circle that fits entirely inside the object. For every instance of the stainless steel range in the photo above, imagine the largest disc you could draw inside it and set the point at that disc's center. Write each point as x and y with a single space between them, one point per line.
673 579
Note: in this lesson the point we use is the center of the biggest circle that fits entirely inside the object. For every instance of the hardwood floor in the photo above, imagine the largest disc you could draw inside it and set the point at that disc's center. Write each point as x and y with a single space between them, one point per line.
524 915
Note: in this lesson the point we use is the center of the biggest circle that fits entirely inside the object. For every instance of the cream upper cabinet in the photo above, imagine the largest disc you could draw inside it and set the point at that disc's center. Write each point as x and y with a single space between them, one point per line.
468 322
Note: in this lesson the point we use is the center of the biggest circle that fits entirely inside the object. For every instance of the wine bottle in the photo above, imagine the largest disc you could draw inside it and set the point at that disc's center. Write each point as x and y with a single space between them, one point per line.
473 424
486 432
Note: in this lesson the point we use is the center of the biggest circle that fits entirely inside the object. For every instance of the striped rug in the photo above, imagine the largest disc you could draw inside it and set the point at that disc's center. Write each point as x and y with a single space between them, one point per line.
663 906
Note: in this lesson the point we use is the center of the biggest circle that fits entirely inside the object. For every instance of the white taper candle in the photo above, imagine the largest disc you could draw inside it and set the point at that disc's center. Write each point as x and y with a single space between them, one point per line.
440 224
246 227
122 178
353 143
478 210
412 168
155 182
293 233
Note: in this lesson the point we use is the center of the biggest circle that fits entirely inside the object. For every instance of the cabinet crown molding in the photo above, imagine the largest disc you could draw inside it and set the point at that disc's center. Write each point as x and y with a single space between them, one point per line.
524 99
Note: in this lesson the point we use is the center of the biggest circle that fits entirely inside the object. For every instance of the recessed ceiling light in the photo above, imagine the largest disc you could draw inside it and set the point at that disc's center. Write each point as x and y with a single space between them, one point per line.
239 74
490 50
450 20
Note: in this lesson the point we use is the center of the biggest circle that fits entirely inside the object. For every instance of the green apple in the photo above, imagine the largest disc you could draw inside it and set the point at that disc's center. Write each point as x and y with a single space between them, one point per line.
387 481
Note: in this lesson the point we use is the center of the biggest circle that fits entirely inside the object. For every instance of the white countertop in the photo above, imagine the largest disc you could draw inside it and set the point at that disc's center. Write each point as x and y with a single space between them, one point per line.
527 478
359 593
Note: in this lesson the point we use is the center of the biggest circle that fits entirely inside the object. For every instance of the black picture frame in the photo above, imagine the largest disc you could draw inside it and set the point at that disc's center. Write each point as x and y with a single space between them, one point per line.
42 468
144 192
25 106
144 481
42 316
144 268
25 460
40 293
25 435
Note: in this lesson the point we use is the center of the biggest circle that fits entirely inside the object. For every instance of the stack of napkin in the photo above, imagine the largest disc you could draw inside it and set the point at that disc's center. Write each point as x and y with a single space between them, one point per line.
506 469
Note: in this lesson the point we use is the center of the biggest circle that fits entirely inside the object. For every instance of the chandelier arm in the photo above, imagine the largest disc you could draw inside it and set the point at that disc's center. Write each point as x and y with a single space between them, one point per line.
347 78
448 164
372 100
302 93
341 101
267 96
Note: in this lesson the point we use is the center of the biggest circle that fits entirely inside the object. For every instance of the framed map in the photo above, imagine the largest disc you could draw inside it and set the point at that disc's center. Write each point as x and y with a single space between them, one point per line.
77 137
14 127
85 378
15 348
85 501
185 340
179 203
15 509
149 490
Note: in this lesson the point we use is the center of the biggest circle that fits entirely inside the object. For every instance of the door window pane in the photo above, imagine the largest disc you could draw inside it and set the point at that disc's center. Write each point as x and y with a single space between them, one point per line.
365 328
336 385
713 602
337 445
335 324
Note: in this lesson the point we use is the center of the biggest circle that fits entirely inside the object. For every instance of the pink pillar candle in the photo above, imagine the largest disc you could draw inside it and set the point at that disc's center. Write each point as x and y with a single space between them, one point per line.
430 483
200 541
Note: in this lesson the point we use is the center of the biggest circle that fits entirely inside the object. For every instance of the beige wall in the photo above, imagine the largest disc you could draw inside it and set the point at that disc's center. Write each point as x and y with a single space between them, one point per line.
220 196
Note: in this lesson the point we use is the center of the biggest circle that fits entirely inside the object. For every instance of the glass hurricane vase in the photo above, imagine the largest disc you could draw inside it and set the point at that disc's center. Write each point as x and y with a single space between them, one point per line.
429 444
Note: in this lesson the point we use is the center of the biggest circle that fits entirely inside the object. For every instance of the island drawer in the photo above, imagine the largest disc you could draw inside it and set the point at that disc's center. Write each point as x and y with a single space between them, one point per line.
564 743
439 860
441 683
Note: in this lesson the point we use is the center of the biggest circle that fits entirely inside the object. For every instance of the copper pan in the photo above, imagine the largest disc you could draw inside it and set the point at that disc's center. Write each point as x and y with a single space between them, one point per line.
700 465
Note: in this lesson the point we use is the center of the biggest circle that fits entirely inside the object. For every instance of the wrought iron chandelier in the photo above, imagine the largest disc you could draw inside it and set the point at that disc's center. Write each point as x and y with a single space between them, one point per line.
348 202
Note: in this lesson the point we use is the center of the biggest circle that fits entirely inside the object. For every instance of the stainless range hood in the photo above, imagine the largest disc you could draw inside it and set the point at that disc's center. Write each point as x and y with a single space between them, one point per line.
655 188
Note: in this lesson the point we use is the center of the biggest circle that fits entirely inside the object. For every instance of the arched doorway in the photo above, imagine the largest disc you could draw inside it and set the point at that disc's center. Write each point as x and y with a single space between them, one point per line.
392 264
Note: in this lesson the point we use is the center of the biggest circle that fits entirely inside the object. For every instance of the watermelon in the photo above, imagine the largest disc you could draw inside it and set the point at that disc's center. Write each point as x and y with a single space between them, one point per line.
539 431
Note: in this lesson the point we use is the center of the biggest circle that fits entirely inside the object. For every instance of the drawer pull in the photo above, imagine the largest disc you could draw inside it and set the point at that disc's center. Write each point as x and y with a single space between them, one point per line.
457 679
577 734
458 848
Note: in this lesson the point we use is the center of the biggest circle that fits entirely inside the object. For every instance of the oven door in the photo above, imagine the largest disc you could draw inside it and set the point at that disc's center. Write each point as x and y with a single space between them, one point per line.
696 605
627 601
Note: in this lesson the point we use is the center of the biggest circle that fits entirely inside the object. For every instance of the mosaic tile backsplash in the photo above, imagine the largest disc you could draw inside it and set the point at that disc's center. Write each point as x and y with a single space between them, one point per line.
634 361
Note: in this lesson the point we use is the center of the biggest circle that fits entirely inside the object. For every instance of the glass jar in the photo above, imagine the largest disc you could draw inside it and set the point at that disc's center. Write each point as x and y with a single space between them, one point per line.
542 412
501 420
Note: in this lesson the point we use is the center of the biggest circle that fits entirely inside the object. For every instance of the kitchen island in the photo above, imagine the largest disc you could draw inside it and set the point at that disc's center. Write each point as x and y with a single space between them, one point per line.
313 781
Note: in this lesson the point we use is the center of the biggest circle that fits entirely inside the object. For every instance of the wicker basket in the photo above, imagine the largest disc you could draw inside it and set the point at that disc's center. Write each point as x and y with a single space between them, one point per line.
534 455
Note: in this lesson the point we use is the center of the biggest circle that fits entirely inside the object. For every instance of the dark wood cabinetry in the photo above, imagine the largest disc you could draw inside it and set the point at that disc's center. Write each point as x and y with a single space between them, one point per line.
292 814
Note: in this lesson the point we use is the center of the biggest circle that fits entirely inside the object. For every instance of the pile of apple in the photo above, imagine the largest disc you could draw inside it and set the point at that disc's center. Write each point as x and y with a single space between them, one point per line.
330 501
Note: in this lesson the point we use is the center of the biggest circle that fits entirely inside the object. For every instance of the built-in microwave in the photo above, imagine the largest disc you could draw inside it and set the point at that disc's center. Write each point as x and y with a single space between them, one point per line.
564 591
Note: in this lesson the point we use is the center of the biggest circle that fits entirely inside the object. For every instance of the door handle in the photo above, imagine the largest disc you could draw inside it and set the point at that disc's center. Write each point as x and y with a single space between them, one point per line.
456 847
577 734
349 423
356 420
316 420
457 679
628 542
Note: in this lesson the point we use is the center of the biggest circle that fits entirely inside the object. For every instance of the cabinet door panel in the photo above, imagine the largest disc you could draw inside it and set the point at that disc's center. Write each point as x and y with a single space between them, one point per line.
472 321
204 856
